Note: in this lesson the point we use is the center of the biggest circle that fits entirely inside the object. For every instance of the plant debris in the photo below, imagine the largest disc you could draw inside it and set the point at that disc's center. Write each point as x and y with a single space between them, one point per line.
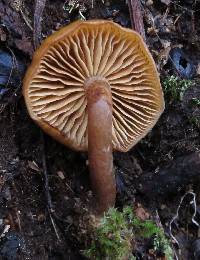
39 7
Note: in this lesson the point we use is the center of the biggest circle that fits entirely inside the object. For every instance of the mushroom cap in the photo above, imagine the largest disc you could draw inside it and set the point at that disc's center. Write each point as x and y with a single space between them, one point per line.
54 85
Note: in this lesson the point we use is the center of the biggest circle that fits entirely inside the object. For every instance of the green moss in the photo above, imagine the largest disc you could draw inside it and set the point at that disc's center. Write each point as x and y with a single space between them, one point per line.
115 235
196 101
161 244
112 237
175 88
195 121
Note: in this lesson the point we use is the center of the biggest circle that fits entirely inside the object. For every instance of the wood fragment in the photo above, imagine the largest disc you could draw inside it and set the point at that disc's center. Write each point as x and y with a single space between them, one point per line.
37 28
136 17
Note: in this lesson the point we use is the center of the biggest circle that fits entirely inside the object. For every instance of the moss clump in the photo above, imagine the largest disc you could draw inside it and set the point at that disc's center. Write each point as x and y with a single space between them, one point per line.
175 88
112 237
116 233
161 244
196 101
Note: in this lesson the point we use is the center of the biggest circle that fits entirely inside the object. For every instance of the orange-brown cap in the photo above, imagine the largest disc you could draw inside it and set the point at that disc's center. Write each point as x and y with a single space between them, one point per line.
54 85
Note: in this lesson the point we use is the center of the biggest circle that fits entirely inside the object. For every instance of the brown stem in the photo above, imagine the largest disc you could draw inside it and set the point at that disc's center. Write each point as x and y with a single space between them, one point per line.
136 17
100 143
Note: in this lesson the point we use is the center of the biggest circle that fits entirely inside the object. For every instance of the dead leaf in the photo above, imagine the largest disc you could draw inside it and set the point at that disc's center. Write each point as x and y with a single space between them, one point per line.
61 175
41 217
163 57
149 2
33 165
141 213
167 2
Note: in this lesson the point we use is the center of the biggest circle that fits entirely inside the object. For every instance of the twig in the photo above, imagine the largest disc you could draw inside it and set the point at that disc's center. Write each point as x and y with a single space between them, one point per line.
6 229
55 229
136 17
159 224
193 201
39 7
48 196
14 64
50 206
26 20
51 209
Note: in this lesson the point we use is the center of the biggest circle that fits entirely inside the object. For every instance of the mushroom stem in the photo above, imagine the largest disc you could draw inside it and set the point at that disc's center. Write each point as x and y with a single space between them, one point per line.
100 144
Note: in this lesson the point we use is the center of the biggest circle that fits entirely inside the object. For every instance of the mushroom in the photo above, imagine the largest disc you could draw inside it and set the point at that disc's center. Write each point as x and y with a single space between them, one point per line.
93 86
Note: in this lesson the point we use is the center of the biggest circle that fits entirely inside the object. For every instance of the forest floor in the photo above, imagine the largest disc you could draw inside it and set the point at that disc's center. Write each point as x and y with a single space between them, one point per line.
155 174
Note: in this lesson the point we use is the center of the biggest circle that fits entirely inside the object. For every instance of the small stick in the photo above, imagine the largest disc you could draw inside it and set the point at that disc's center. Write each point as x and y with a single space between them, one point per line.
48 196
6 229
39 7
54 226
136 17
193 201
26 20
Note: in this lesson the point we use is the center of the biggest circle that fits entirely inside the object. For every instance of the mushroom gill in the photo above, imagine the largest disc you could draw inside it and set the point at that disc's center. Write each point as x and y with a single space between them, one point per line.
56 92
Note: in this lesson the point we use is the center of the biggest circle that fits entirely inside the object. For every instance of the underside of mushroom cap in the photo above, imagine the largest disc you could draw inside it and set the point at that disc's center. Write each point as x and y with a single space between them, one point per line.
54 85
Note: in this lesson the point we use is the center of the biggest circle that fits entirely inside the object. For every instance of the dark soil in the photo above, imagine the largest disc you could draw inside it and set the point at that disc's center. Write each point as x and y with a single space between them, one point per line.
37 231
